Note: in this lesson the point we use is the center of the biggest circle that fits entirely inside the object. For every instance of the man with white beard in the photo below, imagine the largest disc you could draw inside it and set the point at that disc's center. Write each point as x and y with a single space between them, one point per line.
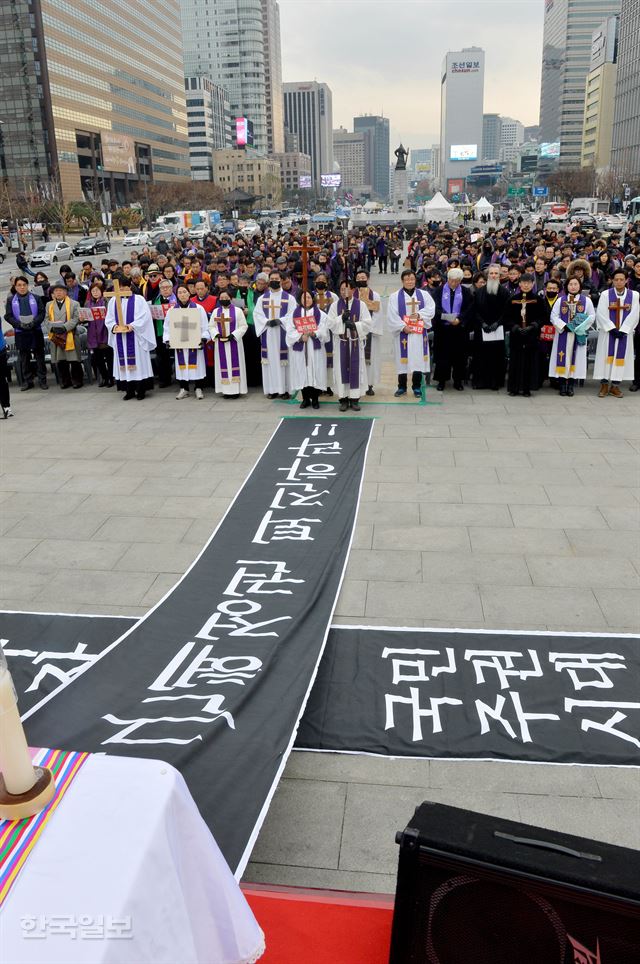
489 356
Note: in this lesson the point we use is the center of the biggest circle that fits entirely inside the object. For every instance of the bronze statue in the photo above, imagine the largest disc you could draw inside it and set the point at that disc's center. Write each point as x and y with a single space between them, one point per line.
402 154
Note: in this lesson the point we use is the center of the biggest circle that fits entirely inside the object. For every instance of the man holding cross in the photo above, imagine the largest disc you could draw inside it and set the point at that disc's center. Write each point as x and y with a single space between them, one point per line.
524 317
616 320
132 337
271 317
350 321
409 317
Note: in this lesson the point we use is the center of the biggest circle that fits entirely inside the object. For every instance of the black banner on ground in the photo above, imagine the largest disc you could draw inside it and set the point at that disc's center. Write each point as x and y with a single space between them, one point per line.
214 678
477 695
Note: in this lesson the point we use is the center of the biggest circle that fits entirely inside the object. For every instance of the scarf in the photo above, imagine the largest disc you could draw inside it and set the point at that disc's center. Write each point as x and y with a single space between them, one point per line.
15 305
284 351
446 301
404 339
350 347
301 312
69 342
126 341
222 323
617 347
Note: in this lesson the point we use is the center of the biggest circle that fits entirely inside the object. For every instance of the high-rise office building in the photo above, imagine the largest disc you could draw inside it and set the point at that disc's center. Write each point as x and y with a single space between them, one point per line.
511 137
461 115
378 174
209 124
421 162
625 153
308 113
351 151
236 44
566 55
491 134
600 92
94 113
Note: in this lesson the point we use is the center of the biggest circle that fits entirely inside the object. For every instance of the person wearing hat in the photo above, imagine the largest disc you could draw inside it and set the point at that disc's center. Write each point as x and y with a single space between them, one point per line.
132 347
61 321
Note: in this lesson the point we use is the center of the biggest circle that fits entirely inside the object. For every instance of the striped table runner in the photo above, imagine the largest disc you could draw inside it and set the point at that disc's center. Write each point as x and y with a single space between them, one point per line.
18 837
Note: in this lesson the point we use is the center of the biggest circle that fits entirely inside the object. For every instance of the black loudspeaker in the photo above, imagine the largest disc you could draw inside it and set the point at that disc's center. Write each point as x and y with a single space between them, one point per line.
475 889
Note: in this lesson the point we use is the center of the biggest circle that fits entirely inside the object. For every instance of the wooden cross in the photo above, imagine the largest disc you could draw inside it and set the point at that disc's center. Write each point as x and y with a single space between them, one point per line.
306 249
274 308
413 302
619 310
121 327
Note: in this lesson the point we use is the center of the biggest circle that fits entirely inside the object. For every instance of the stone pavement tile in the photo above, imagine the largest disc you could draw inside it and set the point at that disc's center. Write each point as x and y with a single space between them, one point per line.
150 453
623 518
102 485
623 460
505 494
558 517
402 459
373 814
625 476
32 483
200 530
620 606
528 445
199 487
563 460
208 509
362 537
83 450
369 492
99 467
483 431
544 476
591 495
444 538
389 473
16 589
447 514
602 542
162 584
319 877
556 604
423 430
303 825
15 550
118 504
503 777
142 529
459 473
519 541
352 768
339 620
17 465
53 554
622 782
475 569
45 525
33 503
432 446
579 572
492 459
558 429
401 565
147 557
396 601
613 821
600 445
418 492
352 599
141 468
389 513
113 588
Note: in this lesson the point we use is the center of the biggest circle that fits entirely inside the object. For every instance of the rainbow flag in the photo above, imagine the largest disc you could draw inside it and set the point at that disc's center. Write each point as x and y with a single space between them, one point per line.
18 837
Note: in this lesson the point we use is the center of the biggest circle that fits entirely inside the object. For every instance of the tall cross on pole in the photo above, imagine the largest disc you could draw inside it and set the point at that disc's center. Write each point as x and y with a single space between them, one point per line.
118 295
306 249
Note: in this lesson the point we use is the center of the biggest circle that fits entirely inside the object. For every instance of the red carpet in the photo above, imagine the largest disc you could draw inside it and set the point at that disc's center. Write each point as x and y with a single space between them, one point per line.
321 926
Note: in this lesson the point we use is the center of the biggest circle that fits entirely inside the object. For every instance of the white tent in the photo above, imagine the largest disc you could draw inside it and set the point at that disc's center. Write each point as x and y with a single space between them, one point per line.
483 207
438 209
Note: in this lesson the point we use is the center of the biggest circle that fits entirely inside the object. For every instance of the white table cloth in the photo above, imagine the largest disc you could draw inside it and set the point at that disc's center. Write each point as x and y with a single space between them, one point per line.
127 872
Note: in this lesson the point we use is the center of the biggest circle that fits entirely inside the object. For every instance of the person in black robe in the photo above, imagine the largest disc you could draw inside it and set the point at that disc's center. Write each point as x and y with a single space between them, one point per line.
547 299
489 356
451 331
524 318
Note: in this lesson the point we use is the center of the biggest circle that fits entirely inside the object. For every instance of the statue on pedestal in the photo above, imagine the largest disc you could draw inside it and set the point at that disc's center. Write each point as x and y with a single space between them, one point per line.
402 154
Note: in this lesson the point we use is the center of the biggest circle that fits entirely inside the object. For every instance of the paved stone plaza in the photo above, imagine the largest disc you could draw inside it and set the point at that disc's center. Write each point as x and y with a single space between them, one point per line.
478 511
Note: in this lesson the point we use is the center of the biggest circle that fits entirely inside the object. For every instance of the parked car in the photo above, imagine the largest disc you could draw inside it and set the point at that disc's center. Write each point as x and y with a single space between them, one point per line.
3 250
91 246
137 238
50 253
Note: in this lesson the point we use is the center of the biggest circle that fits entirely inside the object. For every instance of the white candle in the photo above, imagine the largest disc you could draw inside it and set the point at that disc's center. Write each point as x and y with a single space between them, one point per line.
15 759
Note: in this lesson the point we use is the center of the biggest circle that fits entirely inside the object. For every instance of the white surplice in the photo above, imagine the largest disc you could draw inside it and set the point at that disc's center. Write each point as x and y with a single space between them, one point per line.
184 373
581 351
374 365
602 368
145 339
309 366
275 372
416 361
337 326
222 314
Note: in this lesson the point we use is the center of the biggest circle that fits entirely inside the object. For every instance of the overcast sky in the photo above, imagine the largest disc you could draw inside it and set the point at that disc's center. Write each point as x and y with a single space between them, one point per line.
384 56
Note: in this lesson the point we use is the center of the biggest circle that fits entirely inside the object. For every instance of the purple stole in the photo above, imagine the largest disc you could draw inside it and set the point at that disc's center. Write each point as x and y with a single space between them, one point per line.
561 354
233 344
404 339
15 306
617 347
284 351
350 348
367 344
446 301
298 313
126 341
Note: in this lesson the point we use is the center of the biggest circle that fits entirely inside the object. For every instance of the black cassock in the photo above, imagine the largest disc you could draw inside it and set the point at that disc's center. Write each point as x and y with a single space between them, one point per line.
451 342
524 333
489 357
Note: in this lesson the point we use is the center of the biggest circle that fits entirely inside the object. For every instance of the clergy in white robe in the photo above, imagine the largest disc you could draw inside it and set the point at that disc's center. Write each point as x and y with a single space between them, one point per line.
190 363
373 346
228 325
132 348
271 313
409 315
307 333
324 299
572 316
616 321
350 322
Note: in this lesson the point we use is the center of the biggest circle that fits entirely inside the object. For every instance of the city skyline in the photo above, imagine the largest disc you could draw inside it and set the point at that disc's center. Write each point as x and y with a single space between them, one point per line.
373 86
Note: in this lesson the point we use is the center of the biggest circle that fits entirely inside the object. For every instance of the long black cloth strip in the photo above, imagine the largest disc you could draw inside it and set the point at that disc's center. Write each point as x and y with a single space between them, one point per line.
468 695
214 679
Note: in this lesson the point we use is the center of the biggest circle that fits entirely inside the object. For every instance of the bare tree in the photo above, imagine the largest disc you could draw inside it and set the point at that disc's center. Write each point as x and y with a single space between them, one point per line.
568 183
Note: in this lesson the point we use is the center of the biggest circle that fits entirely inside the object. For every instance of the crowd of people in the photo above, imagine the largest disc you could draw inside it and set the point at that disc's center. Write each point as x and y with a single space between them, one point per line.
478 307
